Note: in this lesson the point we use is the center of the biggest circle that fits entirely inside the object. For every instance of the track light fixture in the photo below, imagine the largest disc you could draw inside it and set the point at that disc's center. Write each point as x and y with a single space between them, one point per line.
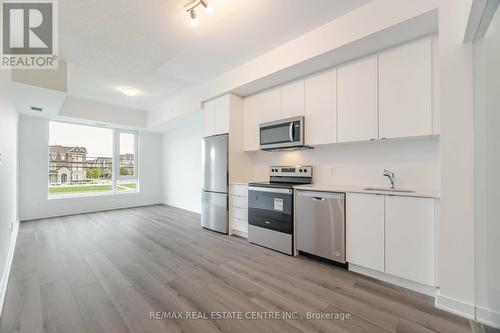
191 9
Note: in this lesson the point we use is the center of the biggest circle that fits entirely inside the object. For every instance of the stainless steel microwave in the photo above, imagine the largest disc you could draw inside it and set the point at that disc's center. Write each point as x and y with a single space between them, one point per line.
282 134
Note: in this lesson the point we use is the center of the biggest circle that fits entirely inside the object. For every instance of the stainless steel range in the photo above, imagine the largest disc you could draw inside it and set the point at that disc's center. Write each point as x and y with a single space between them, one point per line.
270 207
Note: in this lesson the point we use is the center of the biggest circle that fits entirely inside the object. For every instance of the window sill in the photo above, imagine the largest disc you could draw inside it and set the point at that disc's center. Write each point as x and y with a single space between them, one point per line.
90 195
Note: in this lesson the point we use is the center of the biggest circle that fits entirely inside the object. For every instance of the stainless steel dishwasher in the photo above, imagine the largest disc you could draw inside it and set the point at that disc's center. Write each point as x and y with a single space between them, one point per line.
320 223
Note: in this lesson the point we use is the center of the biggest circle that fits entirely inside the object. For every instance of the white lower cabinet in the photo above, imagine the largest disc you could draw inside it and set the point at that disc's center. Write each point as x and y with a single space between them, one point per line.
365 230
409 238
392 234
239 209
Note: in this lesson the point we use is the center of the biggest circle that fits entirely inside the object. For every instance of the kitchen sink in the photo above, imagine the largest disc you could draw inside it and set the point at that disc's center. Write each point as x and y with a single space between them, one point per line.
386 189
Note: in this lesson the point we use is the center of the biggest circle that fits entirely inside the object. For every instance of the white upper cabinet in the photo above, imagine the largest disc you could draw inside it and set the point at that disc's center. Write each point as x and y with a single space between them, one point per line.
409 238
321 108
405 90
252 117
293 100
386 95
216 116
365 230
222 107
209 118
357 100
271 105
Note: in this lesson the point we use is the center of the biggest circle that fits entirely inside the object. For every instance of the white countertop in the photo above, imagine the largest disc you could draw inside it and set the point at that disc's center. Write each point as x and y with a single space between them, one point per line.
423 193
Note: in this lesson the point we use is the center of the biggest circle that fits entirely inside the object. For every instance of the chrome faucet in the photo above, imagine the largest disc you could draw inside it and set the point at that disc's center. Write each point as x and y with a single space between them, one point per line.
391 175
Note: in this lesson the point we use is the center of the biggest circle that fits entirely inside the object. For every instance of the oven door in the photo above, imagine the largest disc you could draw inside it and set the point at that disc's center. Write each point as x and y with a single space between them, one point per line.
271 208
284 133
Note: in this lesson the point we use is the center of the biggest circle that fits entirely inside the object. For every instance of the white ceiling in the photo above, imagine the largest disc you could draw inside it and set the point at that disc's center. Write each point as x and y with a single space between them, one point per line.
149 45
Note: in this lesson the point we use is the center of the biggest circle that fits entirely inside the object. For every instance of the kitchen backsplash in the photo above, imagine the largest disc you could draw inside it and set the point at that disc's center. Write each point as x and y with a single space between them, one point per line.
415 162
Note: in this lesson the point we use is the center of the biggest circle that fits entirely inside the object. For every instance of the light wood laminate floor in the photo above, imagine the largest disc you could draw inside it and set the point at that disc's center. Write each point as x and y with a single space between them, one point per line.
107 271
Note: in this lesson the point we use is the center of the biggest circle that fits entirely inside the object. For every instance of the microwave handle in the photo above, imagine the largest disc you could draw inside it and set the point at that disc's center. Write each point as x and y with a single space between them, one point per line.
290 131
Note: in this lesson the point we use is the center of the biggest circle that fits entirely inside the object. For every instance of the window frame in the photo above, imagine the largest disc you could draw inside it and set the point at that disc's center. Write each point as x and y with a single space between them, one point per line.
116 161
115 166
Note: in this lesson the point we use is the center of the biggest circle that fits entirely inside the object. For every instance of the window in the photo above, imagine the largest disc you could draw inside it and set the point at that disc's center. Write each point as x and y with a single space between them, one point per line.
90 160
127 179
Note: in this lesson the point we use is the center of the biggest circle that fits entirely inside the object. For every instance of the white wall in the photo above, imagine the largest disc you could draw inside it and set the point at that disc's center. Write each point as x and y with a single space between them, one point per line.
33 176
415 162
83 108
8 179
487 173
182 167
456 220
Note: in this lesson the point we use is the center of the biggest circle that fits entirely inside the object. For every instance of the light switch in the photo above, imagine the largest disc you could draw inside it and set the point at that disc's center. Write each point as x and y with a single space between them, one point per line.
1 157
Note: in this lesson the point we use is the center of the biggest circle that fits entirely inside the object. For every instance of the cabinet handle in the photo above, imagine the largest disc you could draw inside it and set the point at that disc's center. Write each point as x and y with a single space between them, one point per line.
318 199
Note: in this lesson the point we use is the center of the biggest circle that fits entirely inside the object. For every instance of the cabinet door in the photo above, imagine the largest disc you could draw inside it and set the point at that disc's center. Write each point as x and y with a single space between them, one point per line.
405 89
321 108
409 238
252 117
271 105
209 118
357 101
222 108
365 230
293 100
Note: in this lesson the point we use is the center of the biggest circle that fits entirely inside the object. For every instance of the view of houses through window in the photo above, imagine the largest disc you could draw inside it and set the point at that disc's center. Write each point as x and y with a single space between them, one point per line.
127 179
81 160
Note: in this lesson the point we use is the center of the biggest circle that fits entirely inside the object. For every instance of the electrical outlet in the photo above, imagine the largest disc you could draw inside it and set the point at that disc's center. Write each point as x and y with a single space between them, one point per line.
332 171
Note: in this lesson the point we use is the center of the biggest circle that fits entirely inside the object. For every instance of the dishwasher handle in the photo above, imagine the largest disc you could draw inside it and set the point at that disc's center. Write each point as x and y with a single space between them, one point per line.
321 196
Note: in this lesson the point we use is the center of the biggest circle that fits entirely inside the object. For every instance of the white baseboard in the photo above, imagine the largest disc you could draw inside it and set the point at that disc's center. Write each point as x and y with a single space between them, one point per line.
455 306
86 210
415 286
6 272
488 317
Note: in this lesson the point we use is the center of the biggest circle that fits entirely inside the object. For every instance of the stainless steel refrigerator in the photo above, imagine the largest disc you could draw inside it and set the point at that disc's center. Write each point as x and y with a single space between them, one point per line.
214 196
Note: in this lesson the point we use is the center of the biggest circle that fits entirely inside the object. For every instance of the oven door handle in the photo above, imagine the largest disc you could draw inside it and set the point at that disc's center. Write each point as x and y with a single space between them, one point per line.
290 131
270 189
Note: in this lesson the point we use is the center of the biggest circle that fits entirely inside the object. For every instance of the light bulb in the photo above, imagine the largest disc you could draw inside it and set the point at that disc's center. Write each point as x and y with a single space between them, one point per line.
192 18
210 9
